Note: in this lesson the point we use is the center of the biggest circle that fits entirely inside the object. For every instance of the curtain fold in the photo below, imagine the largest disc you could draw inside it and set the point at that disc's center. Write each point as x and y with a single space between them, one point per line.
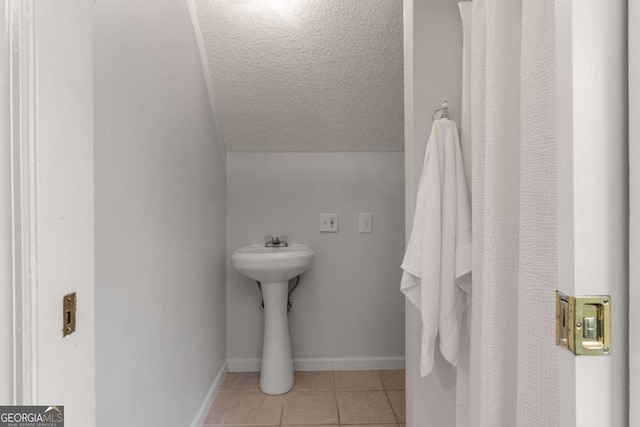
538 371
510 376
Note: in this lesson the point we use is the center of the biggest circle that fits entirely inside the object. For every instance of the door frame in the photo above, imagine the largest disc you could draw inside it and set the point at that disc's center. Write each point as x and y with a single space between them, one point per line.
593 196
46 67
19 195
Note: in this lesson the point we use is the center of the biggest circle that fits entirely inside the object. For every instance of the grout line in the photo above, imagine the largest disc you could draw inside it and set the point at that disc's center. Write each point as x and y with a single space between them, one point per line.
233 396
282 410
386 393
335 393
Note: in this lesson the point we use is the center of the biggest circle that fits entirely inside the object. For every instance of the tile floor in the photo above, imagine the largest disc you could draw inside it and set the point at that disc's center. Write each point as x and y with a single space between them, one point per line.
326 399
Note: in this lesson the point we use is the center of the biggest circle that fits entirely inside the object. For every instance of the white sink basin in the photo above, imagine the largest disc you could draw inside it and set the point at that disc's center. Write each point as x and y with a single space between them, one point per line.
268 265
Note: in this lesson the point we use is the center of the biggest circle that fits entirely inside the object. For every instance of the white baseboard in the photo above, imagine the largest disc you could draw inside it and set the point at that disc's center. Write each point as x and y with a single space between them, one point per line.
198 420
325 364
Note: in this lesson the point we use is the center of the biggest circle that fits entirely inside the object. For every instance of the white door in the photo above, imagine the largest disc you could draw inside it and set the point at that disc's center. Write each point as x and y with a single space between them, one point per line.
46 214
593 199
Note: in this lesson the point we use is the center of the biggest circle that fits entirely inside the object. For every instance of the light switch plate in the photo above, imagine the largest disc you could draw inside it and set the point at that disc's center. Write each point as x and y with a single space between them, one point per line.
365 223
329 223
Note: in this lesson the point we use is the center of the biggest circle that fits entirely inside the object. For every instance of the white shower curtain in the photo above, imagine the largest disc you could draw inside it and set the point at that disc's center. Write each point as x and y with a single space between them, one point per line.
509 377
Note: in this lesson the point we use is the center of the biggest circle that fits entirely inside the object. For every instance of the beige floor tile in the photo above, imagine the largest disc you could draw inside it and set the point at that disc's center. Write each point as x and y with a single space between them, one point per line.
254 408
392 380
358 380
364 407
231 381
250 381
310 407
218 408
397 399
314 381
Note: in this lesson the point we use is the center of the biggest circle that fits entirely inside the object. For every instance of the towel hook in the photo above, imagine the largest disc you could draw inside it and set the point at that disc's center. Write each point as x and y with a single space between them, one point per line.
444 111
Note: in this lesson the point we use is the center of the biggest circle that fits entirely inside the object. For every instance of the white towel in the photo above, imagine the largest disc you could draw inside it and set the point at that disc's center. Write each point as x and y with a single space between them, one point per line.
437 263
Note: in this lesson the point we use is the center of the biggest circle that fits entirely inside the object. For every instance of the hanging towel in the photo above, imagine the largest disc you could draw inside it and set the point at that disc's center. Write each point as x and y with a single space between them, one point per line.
437 263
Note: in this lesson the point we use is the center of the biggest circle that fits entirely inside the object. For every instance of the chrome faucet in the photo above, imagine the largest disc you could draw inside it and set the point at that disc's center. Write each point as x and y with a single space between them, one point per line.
276 242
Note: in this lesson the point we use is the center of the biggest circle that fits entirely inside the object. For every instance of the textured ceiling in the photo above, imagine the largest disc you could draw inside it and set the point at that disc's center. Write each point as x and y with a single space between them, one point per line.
306 75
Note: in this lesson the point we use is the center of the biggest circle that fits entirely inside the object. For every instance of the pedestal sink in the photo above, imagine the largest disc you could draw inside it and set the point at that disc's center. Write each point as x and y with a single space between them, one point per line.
273 267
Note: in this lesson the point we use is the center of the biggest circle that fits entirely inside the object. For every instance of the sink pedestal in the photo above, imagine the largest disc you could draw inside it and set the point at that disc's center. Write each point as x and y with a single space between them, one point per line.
276 374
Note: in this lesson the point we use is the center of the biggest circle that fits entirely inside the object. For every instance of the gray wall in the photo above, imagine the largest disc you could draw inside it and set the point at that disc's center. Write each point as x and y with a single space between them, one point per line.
433 73
348 305
160 190
634 218
311 109
307 75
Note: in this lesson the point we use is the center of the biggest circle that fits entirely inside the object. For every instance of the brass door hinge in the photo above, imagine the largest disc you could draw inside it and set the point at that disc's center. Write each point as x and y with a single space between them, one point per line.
583 324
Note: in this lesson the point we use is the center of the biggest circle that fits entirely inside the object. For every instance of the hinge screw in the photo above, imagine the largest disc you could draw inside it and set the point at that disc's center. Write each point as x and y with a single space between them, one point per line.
605 301
606 349
579 325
